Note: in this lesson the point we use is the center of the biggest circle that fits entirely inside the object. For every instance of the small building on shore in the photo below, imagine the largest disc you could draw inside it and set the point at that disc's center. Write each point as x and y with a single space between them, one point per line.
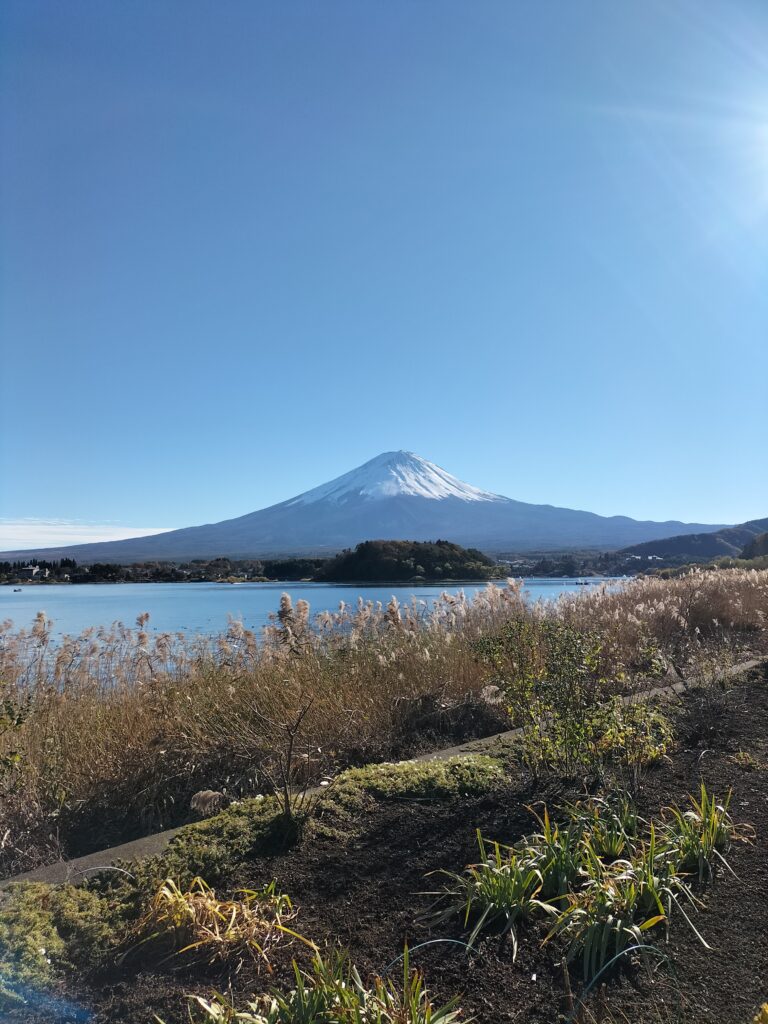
33 572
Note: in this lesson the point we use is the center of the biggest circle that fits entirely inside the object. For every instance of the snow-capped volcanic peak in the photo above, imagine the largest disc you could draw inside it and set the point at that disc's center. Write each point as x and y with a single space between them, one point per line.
394 474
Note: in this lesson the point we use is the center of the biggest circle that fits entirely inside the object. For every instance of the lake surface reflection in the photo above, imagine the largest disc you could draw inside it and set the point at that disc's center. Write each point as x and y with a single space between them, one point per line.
205 607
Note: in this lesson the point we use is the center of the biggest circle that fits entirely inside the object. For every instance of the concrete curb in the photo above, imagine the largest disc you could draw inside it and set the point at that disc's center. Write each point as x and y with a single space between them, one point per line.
149 846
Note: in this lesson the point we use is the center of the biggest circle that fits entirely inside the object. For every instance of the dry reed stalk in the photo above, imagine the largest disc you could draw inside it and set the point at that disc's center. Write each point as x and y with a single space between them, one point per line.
124 726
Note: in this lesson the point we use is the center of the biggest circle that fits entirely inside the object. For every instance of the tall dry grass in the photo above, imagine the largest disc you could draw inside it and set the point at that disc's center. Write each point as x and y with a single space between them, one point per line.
687 619
121 725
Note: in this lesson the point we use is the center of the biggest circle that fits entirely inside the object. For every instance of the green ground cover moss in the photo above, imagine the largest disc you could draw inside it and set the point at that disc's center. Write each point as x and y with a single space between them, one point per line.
47 931
341 811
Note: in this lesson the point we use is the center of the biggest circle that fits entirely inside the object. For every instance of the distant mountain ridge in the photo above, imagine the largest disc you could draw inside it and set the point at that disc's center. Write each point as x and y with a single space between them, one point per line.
727 542
394 496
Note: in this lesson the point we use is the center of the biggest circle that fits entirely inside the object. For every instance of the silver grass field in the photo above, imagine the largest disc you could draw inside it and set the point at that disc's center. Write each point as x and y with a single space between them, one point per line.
108 734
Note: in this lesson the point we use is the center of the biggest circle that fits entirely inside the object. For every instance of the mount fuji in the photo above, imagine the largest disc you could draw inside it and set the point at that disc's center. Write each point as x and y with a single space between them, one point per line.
395 496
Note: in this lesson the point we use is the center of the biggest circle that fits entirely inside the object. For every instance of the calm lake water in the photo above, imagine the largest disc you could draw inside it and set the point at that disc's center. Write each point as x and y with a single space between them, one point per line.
204 607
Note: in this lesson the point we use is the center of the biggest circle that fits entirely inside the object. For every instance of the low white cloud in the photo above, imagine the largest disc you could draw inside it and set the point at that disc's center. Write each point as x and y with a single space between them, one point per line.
24 534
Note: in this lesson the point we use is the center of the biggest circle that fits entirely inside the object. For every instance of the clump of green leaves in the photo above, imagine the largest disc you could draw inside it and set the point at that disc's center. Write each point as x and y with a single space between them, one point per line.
334 993
611 912
556 852
504 888
194 921
610 827
621 899
701 835
604 875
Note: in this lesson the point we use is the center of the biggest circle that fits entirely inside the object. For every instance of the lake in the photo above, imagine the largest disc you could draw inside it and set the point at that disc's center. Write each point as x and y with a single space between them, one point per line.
204 607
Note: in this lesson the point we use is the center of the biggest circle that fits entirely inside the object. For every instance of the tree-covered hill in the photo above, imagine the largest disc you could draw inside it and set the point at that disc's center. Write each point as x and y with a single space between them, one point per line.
757 547
394 560
701 547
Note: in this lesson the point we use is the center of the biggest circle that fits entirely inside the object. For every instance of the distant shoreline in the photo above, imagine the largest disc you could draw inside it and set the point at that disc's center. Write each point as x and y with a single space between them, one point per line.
422 581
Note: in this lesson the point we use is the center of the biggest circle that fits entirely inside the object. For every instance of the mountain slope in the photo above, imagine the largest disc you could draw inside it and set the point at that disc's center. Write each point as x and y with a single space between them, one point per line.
702 546
397 495
757 548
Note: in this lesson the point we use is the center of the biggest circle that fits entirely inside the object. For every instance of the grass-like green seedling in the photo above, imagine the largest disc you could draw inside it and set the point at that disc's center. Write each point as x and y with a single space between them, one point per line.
611 825
333 993
501 890
556 853
702 835
606 917
193 920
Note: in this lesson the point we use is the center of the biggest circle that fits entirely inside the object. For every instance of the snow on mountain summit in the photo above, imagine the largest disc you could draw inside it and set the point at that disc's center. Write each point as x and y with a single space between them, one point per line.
394 474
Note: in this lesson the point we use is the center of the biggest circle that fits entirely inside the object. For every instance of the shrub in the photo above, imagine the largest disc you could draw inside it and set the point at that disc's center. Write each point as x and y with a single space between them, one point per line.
621 737
556 681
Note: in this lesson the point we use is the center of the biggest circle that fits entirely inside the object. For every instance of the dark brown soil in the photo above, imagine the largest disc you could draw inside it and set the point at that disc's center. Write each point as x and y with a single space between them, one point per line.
366 895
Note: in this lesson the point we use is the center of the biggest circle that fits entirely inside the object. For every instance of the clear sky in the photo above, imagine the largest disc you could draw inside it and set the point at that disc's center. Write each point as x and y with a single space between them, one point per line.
247 246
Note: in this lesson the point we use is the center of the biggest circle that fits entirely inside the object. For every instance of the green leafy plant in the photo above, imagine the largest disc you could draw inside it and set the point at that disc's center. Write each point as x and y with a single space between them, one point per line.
333 993
556 854
606 877
501 890
611 826
606 917
195 921
620 900
702 835
663 886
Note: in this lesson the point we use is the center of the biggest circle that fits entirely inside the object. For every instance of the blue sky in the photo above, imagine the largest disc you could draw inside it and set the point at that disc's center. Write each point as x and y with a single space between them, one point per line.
247 246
